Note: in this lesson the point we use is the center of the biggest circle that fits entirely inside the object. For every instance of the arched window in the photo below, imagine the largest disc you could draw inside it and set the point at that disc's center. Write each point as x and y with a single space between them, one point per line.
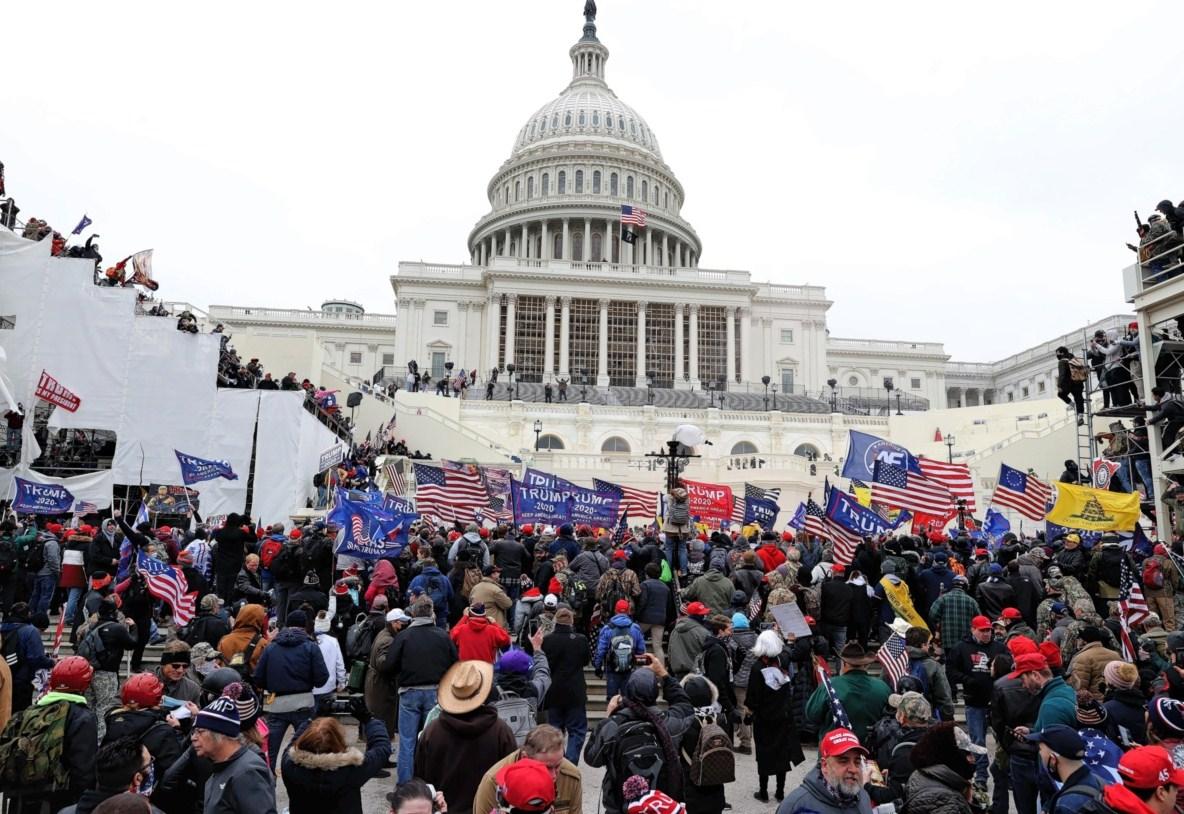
657 194
562 187
579 182
517 190
555 121
612 185
529 187
506 196
557 246
596 182
532 129
546 184
616 444
632 128
807 451
596 254
577 246
549 441
743 448
596 118
645 190
583 118
621 124
667 204
567 119
629 186
543 124
608 120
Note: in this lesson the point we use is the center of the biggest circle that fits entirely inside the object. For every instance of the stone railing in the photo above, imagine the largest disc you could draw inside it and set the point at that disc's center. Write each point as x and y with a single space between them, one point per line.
233 313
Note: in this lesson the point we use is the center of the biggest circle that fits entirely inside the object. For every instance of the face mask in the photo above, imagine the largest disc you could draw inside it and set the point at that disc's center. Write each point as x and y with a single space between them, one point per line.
148 783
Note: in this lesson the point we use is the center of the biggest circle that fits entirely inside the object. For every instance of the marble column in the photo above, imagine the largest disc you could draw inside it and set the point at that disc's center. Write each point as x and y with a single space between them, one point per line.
694 329
544 245
493 330
730 362
506 242
567 239
745 345
548 340
511 306
602 356
564 336
640 371
665 255
649 249
587 240
524 242
679 382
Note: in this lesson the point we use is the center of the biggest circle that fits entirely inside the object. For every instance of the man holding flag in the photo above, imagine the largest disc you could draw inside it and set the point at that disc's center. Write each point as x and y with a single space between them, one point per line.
854 693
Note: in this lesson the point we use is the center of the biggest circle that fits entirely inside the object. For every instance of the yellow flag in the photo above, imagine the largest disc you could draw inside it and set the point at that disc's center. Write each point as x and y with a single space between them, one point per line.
1082 507
898 597
863 495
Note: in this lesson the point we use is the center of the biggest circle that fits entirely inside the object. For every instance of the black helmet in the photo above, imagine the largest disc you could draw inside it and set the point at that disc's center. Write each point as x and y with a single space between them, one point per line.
739 599
908 683
217 681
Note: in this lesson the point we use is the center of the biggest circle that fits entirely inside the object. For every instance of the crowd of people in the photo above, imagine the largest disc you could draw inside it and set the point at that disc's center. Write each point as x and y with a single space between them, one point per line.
463 658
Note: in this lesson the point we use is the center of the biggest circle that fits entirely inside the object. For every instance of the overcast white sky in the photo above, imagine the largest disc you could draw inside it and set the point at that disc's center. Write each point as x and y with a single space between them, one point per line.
964 174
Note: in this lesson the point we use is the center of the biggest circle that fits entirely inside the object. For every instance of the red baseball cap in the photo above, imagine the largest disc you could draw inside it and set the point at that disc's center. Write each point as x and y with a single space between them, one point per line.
697 609
1147 767
838 568
1052 654
526 785
980 623
840 742
1011 614
981 552
622 606
1020 646
1027 663
620 555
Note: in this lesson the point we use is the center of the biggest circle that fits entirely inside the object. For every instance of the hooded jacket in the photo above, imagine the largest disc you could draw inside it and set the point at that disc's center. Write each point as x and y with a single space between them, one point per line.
815 796
292 664
476 637
332 782
420 655
241 783
567 655
82 733
1088 664
497 602
22 639
149 727
937 685
937 789
456 750
249 623
686 643
618 624
969 663
714 590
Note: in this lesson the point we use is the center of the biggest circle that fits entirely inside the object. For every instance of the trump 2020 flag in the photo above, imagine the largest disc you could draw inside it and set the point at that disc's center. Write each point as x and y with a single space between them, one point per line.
41 498
370 532
195 470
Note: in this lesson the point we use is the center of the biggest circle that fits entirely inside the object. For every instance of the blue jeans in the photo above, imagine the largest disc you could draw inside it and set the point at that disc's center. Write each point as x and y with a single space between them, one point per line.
1124 475
277 727
414 706
43 588
1143 468
613 683
835 634
677 548
265 580
976 726
72 604
572 721
1023 783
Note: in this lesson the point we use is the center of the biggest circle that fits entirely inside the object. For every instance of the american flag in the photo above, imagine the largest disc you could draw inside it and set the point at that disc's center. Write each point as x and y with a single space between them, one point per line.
757 493
837 713
894 658
896 486
167 583
638 502
498 511
1132 606
395 477
845 541
451 491
815 519
739 508
84 507
622 534
1027 494
955 477
633 215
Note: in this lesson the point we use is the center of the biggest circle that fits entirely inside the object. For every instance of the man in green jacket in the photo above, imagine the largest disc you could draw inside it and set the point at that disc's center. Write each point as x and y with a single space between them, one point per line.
862 696
1058 701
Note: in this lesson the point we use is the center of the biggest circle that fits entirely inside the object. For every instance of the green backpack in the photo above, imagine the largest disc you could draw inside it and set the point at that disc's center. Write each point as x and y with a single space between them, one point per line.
31 749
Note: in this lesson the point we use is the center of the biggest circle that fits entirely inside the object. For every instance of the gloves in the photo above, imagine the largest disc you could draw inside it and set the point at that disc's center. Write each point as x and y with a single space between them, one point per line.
358 708
599 672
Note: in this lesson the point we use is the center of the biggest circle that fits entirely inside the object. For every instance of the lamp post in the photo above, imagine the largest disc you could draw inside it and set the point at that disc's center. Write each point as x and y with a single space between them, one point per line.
538 428
649 387
675 457
510 387
584 385
888 387
950 448
448 377
765 381
898 410
774 398
833 398
723 390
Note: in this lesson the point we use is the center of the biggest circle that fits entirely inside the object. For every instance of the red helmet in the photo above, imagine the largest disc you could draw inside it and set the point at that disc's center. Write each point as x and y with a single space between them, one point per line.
142 689
72 673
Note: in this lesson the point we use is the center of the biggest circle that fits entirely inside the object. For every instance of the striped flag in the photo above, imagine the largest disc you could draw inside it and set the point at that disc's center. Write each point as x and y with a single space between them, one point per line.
894 658
1025 493
451 491
896 486
739 507
57 634
837 713
638 502
955 477
632 215
167 583
752 492
622 535
1132 607
845 542
815 519
83 507
396 478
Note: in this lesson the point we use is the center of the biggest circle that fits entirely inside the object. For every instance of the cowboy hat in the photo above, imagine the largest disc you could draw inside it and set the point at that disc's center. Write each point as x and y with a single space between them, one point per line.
465 686
854 654
899 626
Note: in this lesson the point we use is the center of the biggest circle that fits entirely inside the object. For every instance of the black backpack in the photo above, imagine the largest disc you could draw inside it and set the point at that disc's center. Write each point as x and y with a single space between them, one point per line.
638 751
35 555
286 565
359 639
7 557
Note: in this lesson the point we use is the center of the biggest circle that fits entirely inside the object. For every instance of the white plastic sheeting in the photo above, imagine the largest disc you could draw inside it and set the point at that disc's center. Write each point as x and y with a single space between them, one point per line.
94 487
231 432
277 448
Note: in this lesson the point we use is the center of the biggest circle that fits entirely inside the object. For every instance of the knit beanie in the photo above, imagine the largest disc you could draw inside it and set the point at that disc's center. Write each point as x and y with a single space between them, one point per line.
1089 712
1121 675
221 714
1166 716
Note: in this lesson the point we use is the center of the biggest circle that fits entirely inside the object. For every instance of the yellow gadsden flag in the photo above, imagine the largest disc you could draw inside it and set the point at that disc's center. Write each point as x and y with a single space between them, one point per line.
1082 507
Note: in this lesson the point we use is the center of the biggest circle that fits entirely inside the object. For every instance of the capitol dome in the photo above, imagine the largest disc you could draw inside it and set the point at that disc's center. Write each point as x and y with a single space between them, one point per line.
578 163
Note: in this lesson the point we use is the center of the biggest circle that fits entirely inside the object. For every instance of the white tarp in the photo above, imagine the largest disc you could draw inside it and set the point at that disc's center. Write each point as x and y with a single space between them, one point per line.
94 487
230 440
277 452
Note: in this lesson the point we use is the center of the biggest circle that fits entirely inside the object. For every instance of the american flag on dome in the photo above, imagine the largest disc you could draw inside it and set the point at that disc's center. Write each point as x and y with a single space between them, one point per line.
896 486
395 476
451 491
168 584
632 215
837 713
955 477
1132 607
1025 493
894 658
638 502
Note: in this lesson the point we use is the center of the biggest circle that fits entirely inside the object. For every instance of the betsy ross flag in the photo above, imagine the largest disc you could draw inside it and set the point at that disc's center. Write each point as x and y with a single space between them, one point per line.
896 486
1132 607
1027 494
837 713
638 502
167 584
452 491
955 477
894 658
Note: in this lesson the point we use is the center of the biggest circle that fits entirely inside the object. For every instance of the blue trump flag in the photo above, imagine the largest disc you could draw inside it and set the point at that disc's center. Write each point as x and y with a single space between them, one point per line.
41 498
195 470
864 450
995 524
397 505
539 503
762 512
595 507
798 521
845 510
370 532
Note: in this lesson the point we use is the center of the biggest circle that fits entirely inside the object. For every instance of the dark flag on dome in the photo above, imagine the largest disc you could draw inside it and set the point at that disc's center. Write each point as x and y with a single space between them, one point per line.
631 216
